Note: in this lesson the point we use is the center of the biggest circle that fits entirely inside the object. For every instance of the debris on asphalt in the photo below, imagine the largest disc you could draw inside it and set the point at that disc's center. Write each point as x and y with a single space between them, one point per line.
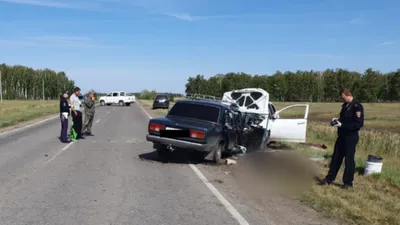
235 157
230 161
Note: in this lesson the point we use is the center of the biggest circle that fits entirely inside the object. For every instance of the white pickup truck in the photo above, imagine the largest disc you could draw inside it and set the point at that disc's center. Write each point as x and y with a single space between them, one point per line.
117 97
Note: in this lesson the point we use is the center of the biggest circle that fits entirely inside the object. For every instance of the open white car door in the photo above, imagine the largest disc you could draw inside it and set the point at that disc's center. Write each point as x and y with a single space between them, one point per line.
289 130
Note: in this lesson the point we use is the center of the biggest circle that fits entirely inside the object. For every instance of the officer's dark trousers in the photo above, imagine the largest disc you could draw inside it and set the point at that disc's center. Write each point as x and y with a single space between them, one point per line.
64 128
77 123
345 147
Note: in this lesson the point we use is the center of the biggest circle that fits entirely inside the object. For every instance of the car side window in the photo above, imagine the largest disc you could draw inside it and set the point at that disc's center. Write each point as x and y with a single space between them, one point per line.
115 94
122 94
109 95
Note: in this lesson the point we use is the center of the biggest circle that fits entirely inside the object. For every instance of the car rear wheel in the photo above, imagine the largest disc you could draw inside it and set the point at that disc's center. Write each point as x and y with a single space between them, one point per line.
121 103
218 154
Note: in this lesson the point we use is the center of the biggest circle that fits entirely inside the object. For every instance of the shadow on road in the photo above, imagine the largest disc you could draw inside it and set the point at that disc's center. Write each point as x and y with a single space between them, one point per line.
177 157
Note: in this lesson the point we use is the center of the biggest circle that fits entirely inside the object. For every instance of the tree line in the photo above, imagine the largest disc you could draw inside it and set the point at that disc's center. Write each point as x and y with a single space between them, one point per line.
24 83
305 86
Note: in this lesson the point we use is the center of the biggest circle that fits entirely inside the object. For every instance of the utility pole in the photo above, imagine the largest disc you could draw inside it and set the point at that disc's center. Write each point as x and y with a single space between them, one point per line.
1 90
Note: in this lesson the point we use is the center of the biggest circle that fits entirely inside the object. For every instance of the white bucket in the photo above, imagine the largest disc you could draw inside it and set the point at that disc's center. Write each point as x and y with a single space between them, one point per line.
372 167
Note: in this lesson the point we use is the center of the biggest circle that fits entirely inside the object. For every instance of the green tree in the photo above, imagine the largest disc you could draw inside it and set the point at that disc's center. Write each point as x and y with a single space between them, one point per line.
25 83
309 86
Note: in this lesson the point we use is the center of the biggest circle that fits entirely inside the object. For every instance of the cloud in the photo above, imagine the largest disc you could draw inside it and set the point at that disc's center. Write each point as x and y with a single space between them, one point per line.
181 16
95 5
387 43
54 42
56 4
356 21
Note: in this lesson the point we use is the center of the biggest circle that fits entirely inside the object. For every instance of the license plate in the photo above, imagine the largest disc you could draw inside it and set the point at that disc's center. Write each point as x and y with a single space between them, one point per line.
172 128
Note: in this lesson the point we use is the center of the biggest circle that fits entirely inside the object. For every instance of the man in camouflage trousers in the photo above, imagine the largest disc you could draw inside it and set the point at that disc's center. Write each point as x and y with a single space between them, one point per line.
89 114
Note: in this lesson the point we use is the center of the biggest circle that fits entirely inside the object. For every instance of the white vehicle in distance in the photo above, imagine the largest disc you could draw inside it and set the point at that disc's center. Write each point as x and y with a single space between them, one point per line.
117 97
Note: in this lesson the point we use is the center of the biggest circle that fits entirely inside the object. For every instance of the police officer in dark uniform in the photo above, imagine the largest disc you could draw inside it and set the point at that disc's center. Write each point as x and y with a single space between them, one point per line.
350 122
64 114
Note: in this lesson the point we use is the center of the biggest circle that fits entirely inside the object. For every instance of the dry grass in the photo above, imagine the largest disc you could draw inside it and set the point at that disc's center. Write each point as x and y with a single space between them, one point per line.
375 199
14 112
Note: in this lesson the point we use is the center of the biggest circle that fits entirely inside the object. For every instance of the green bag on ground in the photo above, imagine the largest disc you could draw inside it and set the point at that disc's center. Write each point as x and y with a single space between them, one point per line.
72 132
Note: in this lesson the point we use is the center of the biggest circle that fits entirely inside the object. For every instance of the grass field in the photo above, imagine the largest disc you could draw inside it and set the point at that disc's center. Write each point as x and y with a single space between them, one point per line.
375 199
14 112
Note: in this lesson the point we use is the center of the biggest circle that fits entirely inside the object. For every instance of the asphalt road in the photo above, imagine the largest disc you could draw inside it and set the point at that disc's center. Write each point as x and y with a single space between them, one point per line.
114 178
99 180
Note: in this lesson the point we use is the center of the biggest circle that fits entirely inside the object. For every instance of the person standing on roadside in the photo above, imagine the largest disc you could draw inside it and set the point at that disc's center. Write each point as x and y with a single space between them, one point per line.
64 114
76 112
350 122
89 114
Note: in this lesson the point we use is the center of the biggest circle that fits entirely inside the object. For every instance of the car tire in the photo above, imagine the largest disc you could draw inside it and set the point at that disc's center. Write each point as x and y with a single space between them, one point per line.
265 142
121 103
217 156
127 104
102 103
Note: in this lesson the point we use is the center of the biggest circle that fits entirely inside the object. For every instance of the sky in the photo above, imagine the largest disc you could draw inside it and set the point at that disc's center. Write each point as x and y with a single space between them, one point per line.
130 45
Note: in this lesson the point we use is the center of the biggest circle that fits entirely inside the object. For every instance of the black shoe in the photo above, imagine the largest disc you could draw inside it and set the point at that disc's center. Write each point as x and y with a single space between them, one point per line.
66 142
346 186
89 134
325 182
80 137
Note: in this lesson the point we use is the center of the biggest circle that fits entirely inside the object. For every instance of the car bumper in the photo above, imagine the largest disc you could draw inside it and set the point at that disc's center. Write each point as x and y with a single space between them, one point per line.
160 105
178 143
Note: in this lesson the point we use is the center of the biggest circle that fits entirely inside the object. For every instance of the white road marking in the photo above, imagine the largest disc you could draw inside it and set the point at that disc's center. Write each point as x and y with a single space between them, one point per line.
220 197
65 148
30 125
213 189
108 112
58 153
145 112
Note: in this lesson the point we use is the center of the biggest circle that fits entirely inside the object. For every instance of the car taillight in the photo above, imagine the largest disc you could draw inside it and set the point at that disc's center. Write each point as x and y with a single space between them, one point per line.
156 127
197 134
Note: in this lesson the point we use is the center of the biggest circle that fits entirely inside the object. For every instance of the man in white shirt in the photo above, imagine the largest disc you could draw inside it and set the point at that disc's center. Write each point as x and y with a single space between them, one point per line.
76 112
